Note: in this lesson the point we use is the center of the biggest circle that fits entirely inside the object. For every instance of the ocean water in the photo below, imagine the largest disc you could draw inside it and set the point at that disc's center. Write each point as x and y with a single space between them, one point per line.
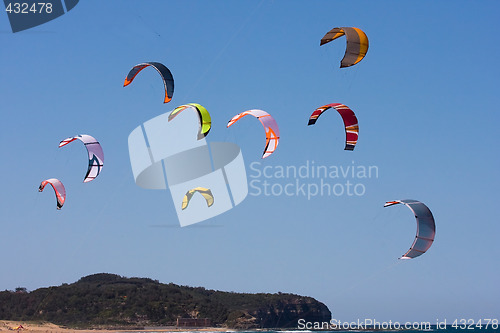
447 329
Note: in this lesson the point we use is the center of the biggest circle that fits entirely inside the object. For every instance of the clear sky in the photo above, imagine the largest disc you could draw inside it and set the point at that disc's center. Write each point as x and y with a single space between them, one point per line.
426 97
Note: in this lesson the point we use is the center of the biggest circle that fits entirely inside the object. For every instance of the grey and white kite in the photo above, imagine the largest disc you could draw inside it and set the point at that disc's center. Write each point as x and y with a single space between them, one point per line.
426 228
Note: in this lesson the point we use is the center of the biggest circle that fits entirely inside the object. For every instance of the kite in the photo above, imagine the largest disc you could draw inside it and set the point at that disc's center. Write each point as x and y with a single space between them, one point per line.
270 126
357 44
426 228
205 192
203 115
58 189
349 118
166 75
96 155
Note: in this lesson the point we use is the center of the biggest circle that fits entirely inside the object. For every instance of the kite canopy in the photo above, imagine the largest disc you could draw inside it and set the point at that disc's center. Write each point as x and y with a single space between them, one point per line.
96 155
58 189
166 75
203 116
426 228
357 44
205 192
270 126
349 118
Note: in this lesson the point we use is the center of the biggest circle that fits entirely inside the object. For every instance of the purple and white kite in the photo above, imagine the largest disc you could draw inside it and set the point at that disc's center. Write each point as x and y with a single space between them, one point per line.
96 155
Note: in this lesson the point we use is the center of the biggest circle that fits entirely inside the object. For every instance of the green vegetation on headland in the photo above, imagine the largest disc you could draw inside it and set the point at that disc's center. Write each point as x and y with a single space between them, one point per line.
108 300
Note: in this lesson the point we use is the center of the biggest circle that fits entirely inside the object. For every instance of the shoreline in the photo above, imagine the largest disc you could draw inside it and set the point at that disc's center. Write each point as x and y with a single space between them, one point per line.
46 327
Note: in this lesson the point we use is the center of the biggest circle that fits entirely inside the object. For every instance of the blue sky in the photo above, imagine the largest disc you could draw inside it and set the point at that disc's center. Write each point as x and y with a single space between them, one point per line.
425 96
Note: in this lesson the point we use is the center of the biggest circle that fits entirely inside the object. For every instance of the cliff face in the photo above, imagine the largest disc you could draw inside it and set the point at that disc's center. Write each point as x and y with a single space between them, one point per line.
283 313
110 300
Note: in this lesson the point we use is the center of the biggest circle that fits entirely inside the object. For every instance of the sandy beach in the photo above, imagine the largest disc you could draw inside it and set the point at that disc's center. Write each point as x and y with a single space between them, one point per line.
12 326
